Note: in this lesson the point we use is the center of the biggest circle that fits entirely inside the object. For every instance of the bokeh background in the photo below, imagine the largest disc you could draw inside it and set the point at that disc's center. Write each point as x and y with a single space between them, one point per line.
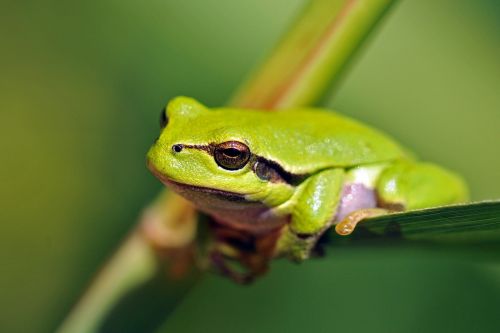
81 87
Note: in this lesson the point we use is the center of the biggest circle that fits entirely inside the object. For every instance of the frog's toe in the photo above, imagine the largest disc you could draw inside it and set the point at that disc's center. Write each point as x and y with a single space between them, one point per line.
243 269
349 223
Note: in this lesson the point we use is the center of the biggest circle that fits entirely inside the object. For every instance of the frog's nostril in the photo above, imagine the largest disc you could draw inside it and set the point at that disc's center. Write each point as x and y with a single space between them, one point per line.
177 148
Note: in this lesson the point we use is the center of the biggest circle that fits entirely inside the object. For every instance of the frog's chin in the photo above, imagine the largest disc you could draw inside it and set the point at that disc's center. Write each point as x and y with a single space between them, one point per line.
228 208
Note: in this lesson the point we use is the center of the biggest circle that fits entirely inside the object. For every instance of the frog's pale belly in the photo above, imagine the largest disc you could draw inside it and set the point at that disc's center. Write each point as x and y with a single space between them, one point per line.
231 209
355 196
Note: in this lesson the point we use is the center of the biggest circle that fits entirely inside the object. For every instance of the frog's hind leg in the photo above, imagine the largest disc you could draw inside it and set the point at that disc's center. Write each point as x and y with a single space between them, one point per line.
406 186
415 185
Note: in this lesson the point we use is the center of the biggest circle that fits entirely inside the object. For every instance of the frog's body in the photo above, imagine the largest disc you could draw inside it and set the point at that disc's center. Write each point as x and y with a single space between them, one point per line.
296 170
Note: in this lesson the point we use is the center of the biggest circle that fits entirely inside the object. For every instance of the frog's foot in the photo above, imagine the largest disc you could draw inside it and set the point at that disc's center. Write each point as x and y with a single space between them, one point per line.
303 247
242 256
348 224
242 270
298 247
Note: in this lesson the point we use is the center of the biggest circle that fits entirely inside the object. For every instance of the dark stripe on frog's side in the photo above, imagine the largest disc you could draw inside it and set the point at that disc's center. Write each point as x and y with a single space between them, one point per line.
264 168
210 148
269 170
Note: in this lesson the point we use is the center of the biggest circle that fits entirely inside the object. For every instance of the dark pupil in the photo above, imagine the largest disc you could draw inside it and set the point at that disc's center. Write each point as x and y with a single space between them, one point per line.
232 152
163 119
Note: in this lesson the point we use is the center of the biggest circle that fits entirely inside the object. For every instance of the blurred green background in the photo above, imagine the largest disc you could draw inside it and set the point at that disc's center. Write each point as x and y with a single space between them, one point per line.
81 87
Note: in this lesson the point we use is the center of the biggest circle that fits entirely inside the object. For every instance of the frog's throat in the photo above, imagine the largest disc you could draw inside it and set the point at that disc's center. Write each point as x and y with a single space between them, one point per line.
264 168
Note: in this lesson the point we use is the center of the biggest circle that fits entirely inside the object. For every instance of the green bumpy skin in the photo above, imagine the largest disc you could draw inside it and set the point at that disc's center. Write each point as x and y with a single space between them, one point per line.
258 172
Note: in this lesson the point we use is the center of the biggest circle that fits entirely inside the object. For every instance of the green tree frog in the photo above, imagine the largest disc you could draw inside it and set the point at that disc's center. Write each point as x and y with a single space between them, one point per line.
283 178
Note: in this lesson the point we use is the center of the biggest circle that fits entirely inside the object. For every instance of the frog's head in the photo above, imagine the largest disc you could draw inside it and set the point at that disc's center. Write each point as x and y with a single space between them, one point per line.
204 150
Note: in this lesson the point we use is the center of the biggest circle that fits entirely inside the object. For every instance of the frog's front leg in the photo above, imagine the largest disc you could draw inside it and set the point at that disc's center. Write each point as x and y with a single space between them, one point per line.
313 209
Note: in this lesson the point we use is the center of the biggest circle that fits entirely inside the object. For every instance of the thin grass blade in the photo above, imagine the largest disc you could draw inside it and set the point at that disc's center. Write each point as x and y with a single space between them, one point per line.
475 222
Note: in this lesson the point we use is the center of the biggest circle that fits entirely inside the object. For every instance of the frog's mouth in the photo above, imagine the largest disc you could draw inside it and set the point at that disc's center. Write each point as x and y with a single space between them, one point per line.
183 188
220 194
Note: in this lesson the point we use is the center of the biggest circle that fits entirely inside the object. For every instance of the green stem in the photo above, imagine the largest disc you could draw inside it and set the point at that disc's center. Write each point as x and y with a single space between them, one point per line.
313 55
137 275
133 264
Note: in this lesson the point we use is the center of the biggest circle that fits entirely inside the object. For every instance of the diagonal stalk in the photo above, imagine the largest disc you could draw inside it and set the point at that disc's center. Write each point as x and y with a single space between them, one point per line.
313 55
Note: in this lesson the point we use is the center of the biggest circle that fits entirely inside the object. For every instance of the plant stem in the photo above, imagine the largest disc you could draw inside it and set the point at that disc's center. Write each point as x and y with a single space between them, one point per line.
131 265
313 55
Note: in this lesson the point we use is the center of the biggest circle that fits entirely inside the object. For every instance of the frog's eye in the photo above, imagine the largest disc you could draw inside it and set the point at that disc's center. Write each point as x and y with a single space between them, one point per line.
163 118
231 155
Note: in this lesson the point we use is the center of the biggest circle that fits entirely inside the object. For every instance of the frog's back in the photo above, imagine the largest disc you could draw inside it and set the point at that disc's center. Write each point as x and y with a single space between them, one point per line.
306 140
